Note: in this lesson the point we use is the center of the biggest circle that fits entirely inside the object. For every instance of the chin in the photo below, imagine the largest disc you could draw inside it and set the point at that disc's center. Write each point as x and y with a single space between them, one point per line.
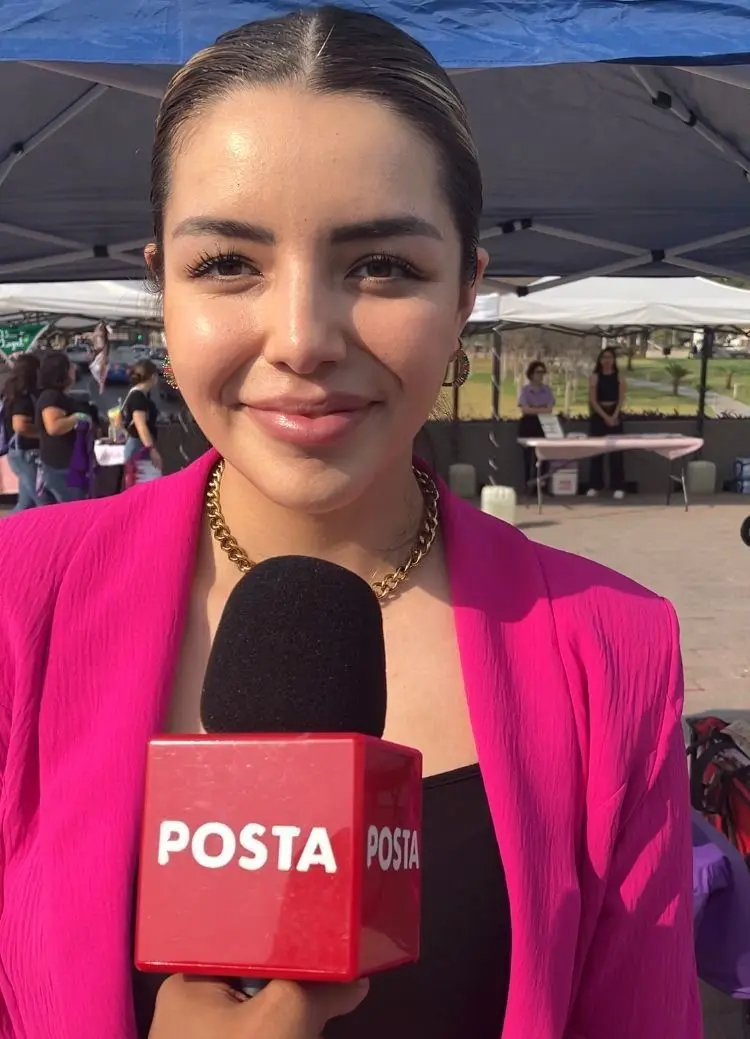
309 485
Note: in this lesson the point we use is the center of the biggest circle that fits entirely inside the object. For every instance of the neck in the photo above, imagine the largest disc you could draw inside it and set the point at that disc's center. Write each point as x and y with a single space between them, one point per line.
369 536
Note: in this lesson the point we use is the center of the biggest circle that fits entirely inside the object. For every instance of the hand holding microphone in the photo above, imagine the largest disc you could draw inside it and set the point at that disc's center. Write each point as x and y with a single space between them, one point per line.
285 841
201 1008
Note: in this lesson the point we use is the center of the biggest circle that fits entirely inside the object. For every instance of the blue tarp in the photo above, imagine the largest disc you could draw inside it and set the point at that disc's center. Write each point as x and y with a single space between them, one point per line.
461 35
591 162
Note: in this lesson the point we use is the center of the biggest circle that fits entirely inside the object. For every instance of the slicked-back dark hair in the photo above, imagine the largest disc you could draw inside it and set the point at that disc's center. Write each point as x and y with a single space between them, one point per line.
330 50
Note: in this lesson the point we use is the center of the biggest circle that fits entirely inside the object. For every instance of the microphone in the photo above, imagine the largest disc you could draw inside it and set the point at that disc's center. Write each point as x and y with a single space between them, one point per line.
285 841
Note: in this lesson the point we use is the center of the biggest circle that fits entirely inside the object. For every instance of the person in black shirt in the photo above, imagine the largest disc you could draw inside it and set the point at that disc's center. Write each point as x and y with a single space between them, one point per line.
139 417
607 389
19 411
57 415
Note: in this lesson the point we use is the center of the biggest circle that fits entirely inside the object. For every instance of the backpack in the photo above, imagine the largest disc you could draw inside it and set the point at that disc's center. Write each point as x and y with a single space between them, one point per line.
719 754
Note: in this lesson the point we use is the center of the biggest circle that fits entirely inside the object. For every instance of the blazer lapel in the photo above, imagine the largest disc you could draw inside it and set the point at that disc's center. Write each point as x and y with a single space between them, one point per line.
115 637
524 731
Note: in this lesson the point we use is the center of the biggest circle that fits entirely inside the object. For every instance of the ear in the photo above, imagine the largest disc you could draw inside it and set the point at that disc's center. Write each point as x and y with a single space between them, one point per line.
469 292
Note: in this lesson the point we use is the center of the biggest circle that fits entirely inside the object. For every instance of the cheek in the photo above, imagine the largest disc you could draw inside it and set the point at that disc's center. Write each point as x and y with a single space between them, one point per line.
207 337
413 339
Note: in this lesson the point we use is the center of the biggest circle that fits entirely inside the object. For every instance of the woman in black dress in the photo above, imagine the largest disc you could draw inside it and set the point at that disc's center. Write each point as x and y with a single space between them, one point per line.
607 390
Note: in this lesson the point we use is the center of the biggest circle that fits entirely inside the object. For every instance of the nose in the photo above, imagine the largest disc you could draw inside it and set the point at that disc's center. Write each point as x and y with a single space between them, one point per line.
303 322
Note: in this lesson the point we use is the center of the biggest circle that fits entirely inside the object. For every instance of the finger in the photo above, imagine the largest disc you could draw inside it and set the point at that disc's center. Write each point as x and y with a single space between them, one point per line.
302 1011
200 990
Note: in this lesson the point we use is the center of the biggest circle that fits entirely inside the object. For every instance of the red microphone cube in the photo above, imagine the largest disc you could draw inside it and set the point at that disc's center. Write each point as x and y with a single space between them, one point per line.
280 856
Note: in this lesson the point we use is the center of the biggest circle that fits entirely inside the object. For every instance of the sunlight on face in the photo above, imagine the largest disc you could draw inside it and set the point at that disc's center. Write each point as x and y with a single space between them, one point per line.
312 296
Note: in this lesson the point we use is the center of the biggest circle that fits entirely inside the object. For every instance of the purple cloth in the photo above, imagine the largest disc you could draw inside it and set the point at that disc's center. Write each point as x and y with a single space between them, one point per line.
532 396
82 460
721 900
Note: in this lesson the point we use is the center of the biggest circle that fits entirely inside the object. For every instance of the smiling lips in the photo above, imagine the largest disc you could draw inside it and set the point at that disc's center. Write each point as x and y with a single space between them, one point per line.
311 423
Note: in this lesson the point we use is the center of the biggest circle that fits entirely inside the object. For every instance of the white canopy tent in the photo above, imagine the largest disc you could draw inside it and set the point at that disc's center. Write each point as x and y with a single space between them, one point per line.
622 304
604 303
65 302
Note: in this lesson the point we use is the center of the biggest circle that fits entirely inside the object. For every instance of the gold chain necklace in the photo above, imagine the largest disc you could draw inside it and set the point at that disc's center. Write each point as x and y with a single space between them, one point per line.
383 589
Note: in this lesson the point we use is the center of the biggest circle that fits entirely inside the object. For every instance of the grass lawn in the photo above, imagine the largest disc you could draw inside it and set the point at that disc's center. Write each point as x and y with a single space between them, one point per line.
476 395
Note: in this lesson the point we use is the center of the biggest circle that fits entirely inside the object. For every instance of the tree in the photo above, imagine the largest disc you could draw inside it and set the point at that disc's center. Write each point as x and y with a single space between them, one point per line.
676 372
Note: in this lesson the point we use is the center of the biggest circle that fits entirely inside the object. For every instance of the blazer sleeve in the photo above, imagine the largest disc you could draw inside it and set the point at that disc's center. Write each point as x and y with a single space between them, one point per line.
639 976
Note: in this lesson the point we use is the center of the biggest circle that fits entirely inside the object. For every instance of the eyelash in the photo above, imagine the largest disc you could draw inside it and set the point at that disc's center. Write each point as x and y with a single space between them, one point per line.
208 262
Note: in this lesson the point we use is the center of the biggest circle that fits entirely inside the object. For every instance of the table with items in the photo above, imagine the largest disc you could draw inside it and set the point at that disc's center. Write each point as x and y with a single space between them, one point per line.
560 451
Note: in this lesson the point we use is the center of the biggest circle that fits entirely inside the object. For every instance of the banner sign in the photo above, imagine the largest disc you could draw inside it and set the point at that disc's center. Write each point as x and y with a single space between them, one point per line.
19 338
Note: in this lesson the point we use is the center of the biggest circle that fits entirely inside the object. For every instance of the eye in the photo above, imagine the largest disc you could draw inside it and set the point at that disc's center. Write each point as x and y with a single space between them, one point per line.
221 266
384 268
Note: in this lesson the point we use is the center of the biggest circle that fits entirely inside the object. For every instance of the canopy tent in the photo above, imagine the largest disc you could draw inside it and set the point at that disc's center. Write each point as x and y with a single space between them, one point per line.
589 168
601 304
606 305
74 304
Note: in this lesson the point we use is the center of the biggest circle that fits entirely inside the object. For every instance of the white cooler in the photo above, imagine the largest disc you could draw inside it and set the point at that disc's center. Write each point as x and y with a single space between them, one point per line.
700 477
499 502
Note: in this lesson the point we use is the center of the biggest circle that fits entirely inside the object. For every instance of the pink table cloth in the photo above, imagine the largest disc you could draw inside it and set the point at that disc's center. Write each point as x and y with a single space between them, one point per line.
571 449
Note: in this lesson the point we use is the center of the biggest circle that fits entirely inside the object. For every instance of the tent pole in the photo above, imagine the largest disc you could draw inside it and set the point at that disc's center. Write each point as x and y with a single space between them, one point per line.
706 351
497 353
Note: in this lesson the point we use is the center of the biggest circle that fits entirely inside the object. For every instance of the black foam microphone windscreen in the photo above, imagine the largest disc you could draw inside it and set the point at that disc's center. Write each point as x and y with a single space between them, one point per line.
299 648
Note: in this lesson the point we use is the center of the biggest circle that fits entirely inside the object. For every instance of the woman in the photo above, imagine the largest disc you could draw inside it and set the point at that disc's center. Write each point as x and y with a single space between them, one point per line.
99 366
139 418
19 410
536 398
607 392
309 333
58 416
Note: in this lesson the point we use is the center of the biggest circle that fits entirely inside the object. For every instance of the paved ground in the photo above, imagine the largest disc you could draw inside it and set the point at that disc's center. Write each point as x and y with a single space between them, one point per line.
699 562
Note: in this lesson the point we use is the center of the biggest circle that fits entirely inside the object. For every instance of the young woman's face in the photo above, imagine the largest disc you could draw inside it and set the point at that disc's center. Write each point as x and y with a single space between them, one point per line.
312 289
608 362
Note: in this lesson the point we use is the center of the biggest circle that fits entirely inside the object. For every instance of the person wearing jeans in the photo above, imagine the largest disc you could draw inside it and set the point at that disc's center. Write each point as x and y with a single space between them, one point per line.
21 433
24 466
139 418
57 417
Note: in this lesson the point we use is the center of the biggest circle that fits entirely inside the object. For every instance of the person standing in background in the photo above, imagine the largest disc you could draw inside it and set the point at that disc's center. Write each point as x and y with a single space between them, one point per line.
607 392
139 419
19 411
99 366
57 415
536 398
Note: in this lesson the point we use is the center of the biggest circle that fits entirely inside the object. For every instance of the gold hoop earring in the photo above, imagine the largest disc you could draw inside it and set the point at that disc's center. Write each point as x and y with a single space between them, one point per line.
167 374
461 366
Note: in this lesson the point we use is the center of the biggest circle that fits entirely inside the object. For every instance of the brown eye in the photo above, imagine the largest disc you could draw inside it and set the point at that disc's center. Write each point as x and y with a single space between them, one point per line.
383 268
230 267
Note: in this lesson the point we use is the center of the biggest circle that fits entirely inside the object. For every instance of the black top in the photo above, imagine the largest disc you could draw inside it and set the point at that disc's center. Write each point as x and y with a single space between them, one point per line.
137 400
23 406
608 388
56 452
459 987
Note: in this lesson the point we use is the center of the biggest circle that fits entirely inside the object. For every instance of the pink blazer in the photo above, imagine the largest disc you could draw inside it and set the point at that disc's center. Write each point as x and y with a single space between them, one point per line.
574 686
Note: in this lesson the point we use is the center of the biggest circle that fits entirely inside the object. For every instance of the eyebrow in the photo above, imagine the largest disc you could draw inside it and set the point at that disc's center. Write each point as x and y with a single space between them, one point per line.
367 230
